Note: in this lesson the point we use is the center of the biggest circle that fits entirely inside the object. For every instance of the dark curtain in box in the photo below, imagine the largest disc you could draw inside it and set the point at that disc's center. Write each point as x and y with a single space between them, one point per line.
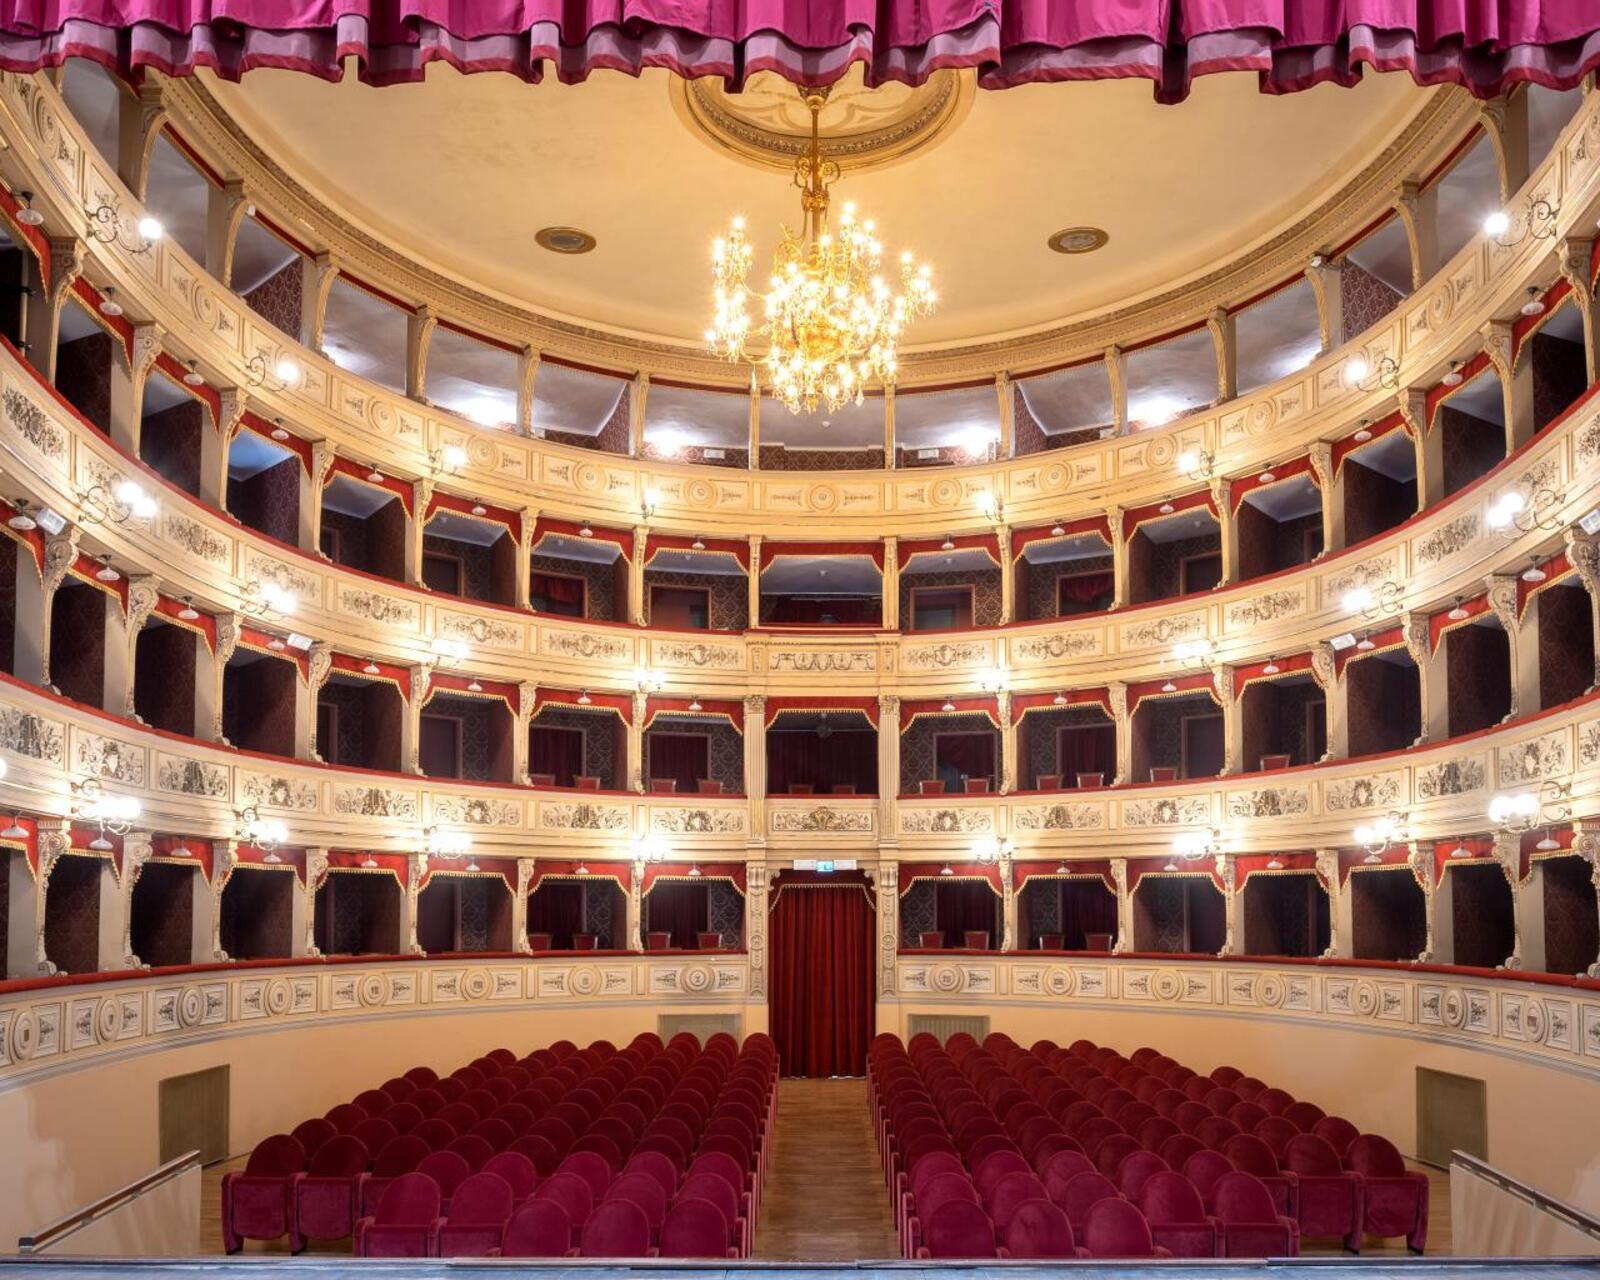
822 979
845 757
78 643
72 915
163 679
1387 915
557 752
556 908
1087 748
682 757
1078 593
358 913
161 914
959 756
963 905
827 610
1084 907
561 596
258 913
678 907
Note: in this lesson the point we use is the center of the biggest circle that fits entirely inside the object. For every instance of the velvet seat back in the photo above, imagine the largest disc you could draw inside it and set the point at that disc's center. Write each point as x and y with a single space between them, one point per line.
1177 1219
959 1229
616 1229
1039 1229
540 1229
695 1228
1113 1228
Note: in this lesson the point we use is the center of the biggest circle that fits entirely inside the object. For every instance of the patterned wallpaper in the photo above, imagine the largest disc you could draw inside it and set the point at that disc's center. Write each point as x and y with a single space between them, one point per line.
1478 683
170 441
1373 502
8 603
1571 923
1383 705
1387 915
1559 375
1365 299
269 501
477 564
464 913
1274 718
258 705
725 912
1036 587
72 915
368 724
601 740
1267 545
602 595
1154 567
985 584
1039 742
728 595
78 642
1566 645
1284 915
376 544
83 376
724 750
919 912
258 914
163 914
13 278
486 731
604 913
277 298
1470 445
731 457
1480 915
917 746
1157 737
774 457
1178 915
164 678
358 913
613 436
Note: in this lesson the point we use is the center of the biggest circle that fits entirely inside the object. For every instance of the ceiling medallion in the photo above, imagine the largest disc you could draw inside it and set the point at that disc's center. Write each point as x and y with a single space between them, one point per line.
767 122
564 240
1078 240
830 322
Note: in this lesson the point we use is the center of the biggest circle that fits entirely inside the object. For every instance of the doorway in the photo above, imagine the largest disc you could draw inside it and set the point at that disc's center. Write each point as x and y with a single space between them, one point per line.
822 974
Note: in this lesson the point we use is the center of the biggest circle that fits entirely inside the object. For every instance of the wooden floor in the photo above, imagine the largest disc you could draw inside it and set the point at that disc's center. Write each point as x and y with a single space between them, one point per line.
825 1196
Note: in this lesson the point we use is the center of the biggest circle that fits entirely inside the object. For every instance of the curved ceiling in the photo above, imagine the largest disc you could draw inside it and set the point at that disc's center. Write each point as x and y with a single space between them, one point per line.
460 171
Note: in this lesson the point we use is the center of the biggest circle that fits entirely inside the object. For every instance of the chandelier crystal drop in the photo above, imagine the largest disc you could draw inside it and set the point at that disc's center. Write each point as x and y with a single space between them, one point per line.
831 323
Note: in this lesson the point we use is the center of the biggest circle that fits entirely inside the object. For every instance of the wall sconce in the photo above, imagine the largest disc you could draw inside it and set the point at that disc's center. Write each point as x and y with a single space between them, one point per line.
647 681
1519 812
993 680
447 459
440 843
1191 846
1514 513
274 377
265 833
1379 834
1538 222
1364 376
989 504
122 502
448 653
114 815
648 504
1372 603
267 599
992 850
1198 464
106 226
651 849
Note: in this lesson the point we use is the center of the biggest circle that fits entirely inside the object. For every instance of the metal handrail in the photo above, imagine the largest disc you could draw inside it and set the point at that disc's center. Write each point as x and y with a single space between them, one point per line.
1572 1216
80 1218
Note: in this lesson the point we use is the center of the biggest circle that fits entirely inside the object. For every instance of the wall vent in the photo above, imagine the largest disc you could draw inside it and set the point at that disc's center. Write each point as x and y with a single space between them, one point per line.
192 1115
1452 1115
945 1025
700 1025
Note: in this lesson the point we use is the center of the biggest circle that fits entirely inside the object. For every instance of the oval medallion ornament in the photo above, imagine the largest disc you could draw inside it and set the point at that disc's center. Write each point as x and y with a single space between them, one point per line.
372 990
1057 982
584 981
1455 1010
1365 999
191 1006
279 997
1166 985
697 979
108 1019
1534 1023
945 978
24 1036
476 985
1270 990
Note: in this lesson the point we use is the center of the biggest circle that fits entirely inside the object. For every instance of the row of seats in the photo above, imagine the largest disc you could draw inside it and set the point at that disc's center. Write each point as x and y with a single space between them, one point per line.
997 1129
528 1157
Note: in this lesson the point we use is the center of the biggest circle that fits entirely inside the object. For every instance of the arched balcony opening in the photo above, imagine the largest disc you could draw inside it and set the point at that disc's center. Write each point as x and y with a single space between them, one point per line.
580 571
365 520
471 556
1558 619
1173 553
464 911
838 587
261 699
1375 481
85 364
270 275
173 432
849 438
357 911
950 906
474 378
1276 336
365 333
1477 660
945 590
1178 912
1063 407
1383 698
705 425
1565 914
1176 735
19 272
268 480
82 656
696 584
686 909
1388 913
1065 747
949 752
1470 423
1283 717
946 428
1278 520
693 747
579 740
1171 378
1466 192
173 674
169 913
1474 918
1063 575
258 911
822 751
1067 911
466 735
361 718
1552 368
581 407
1284 913
178 193
1374 277
80 932
572 907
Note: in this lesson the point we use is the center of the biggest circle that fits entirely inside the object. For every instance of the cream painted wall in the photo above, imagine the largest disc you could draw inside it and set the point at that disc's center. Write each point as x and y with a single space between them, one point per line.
1542 1125
70 1138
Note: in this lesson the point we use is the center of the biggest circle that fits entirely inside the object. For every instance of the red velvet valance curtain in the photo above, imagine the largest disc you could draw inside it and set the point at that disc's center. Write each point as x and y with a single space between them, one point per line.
1486 45
822 978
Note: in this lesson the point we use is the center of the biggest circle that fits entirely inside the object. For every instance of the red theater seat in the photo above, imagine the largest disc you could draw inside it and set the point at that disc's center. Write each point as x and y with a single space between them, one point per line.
327 1197
407 1222
257 1204
1251 1225
1396 1198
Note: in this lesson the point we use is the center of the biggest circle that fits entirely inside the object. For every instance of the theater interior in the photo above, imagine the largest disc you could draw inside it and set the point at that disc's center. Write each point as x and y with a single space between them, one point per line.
737 637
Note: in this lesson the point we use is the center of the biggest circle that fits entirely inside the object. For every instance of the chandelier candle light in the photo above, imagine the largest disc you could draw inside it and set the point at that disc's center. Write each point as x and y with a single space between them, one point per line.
832 323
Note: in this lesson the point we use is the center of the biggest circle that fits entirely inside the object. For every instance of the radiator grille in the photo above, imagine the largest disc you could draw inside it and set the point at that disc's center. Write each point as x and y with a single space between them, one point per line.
700 1025
192 1115
1452 1115
945 1025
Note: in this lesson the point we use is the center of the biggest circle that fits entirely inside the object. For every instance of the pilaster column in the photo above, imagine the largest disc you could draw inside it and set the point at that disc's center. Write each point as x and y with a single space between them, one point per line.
638 397
1119 557
1586 844
1419 215
1426 448
127 376
316 872
891 583
411 723
636 601
420 325
1008 578
753 461
416 869
888 427
421 496
319 666
1516 389
143 594
1501 591
1336 705
1339 919
1227 528
1009 774
1508 853
753 589
1327 287
21 904
214 445
755 765
1117 376
1421 860
228 629
1232 721
42 325
224 862
1230 905
317 275
1574 254
527 694
322 459
888 927
141 114
226 207
755 928
529 518
60 554
137 850
519 908
1583 552
52 846
527 376
1321 457
635 920
635 729
1119 877
1224 342
1008 905
888 765
1008 415
1432 679
1117 695
1505 121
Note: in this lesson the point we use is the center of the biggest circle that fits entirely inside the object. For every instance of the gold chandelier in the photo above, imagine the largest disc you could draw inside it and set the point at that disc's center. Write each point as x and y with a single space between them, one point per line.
832 324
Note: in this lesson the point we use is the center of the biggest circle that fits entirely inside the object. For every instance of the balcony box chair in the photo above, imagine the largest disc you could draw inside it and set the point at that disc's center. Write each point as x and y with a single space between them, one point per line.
643 1190
257 1204
708 786
1163 773
1275 761
975 939
696 1229
1203 1169
1251 1225
586 782
708 940
1136 1169
657 940
311 1134
1039 1229
327 1197
1251 1155
707 1186
539 942
663 786
1396 1197
616 1229
1178 1220
1091 781
407 1222
976 786
518 1171
1047 782
479 1211
540 1229
541 779
1332 1200
1052 941
1113 1228
958 1229
931 787
1083 1191
843 789
585 942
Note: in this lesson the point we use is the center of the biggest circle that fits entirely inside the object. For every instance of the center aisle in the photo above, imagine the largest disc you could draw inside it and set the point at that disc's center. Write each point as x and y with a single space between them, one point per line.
825 1198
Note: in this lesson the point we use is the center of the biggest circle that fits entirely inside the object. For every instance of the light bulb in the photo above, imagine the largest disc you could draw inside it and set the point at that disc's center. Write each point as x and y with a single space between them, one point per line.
288 371
151 228
1356 371
1497 223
